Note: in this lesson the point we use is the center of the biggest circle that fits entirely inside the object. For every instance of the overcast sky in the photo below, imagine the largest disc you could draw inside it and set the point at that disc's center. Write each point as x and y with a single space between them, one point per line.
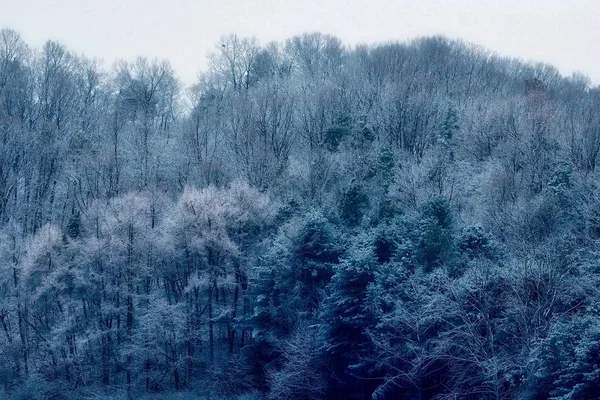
565 33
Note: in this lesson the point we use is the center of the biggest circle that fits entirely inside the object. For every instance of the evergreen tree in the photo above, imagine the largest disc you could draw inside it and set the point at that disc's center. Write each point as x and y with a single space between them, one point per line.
353 205
436 234
347 317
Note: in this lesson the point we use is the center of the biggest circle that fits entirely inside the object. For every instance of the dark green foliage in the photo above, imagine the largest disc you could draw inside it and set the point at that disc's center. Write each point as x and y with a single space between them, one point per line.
393 239
363 137
560 180
367 134
294 272
353 205
448 133
450 127
318 241
291 281
386 164
388 210
438 210
476 242
287 211
73 229
319 247
435 234
433 245
334 135
347 317
384 249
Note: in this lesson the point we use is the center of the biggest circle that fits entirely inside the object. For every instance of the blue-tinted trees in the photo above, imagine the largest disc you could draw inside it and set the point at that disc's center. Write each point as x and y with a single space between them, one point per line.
438 239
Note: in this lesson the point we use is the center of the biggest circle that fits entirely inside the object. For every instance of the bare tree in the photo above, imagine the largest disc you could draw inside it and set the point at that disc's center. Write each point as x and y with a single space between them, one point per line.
234 60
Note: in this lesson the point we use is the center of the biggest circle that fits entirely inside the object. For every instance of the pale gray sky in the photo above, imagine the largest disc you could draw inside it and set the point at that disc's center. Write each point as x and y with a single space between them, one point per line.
565 33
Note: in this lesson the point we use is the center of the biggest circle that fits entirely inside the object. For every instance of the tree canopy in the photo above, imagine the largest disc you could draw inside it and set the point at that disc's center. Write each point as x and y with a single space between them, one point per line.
310 220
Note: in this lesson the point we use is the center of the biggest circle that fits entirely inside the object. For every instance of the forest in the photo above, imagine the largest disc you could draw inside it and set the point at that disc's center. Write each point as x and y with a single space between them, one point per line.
309 220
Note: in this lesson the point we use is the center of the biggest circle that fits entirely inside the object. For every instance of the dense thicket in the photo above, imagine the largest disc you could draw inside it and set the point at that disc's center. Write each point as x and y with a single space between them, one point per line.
405 220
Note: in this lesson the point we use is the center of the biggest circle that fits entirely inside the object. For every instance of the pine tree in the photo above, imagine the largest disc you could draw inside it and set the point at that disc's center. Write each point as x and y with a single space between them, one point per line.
347 317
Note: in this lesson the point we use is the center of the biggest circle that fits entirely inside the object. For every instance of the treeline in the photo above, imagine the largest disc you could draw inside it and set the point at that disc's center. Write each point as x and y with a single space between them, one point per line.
412 220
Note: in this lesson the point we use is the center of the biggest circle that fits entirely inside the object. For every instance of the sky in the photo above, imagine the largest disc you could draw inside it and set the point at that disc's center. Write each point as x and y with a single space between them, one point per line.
565 33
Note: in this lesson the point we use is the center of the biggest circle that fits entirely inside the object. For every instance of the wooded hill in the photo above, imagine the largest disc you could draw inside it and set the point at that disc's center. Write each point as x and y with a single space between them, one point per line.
414 220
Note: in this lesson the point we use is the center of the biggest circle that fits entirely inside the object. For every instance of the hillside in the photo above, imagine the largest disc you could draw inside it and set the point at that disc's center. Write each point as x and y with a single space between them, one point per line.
414 220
